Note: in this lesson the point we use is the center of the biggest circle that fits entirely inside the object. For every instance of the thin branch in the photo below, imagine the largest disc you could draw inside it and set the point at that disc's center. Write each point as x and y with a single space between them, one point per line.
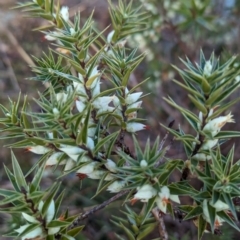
161 225
166 136
186 170
77 221
162 144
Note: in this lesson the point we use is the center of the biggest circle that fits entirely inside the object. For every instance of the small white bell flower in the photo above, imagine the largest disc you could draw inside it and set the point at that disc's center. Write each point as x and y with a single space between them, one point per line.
96 88
133 127
96 174
80 106
109 177
81 78
50 135
237 79
219 205
61 97
36 232
116 186
135 105
88 168
54 158
50 37
107 109
91 132
209 144
144 193
90 143
80 88
201 157
56 112
49 216
215 125
218 221
102 102
116 102
70 164
110 36
94 72
72 31
73 150
211 112
143 163
29 218
38 149
132 98
111 165
64 13
200 116
50 212
74 157
207 68
164 198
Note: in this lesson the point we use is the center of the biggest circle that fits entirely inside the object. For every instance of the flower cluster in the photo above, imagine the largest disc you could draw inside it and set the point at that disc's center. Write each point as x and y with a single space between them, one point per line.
126 108
211 129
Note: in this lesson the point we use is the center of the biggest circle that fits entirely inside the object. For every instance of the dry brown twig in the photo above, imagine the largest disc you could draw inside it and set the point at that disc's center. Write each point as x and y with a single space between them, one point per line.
161 225
83 216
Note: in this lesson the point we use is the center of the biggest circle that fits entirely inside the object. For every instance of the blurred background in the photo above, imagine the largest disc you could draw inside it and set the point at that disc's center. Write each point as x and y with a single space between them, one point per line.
175 29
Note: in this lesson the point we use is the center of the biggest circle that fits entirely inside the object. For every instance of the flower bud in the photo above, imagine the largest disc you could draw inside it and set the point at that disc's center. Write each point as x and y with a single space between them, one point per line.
90 143
102 102
80 88
132 98
50 37
29 218
109 177
209 144
88 168
72 31
145 192
116 186
96 174
61 97
80 106
56 112
53 160
163 199
207 68
135 105
70 164
143 163
219 205
201 157
111 165
64 13
110 36
71 150
38 149
96 88
116 102
36 232
133 127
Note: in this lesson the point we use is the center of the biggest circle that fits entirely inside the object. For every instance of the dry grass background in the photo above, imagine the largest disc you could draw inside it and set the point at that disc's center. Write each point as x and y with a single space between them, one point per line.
18 42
